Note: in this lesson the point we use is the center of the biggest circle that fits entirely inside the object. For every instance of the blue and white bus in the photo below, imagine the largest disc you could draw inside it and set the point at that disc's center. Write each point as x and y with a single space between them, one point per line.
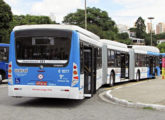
64 61
144 62
4 55
54 61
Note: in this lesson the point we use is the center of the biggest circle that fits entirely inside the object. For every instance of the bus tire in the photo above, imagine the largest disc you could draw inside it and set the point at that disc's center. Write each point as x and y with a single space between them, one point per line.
156 73
2 77
112 79
138 76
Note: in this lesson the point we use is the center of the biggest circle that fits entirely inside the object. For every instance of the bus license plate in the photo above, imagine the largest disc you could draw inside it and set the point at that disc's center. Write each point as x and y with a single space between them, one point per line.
41 83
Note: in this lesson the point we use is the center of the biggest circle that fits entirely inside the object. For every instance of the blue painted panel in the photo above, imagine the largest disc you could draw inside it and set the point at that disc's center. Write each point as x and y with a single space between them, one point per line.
152 53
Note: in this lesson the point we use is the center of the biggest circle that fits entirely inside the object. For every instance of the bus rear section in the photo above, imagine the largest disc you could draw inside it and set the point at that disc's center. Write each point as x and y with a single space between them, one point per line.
145 63
45 63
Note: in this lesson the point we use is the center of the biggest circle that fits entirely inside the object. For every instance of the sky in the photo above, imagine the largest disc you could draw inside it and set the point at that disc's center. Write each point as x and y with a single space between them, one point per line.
123 12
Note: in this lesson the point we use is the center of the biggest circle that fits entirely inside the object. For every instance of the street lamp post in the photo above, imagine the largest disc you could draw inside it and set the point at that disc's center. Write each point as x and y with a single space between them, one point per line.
85 15
151 18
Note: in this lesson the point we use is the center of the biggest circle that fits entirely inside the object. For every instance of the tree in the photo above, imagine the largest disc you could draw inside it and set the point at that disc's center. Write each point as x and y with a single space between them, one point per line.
98 22
161 47
5 19
160 36
123 35
124 38
30 19
148 39
140 28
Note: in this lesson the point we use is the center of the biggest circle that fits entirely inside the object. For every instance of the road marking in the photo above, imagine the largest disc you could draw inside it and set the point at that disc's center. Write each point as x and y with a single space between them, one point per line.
126 85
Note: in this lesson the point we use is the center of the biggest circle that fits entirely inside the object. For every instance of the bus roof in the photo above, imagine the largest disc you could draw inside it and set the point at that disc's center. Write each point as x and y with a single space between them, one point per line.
4 45
146 48
61 27
114 43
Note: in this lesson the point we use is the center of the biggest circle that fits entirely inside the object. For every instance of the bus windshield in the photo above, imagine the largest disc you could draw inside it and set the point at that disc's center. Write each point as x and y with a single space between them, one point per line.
47 50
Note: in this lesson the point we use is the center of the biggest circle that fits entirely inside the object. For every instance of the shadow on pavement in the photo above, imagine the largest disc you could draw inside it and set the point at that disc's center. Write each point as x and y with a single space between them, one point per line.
50 102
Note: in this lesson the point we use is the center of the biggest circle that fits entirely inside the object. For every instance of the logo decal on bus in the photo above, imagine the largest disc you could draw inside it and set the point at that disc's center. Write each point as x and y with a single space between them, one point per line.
40 76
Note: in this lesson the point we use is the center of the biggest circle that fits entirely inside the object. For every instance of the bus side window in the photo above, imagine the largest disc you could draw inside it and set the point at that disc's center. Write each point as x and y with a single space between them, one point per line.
136 60
111 58
99 58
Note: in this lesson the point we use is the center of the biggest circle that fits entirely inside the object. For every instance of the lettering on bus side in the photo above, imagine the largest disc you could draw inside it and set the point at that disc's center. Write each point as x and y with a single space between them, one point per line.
21 72
63 71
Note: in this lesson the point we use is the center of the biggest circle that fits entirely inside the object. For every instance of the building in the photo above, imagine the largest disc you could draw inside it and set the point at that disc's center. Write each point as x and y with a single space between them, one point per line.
137 41
160 41
122 28
131 33
160 28
149 28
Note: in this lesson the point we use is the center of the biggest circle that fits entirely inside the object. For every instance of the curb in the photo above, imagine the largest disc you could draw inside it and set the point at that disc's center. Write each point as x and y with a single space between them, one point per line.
123 102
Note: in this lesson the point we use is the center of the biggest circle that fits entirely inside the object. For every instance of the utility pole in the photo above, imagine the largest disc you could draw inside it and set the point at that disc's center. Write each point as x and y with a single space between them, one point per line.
151 18
85 15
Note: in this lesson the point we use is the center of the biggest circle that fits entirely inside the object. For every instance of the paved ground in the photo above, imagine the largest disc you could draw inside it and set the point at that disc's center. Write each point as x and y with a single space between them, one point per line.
148 91
60 109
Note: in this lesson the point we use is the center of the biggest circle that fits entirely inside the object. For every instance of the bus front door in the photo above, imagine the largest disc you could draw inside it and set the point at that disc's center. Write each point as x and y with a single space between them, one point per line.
151 65
89 71
123 66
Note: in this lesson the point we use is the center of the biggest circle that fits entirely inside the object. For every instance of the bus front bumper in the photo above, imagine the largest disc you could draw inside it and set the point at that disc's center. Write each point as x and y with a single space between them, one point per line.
45 91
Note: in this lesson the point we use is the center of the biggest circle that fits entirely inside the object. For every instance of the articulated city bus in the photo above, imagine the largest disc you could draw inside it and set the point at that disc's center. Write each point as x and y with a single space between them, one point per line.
64 61
54 61
4 55
144 62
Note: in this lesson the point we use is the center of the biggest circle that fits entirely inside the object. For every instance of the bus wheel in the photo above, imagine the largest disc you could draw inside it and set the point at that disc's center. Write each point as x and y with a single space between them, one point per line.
112 79
2 76
1 79
137 76
156 74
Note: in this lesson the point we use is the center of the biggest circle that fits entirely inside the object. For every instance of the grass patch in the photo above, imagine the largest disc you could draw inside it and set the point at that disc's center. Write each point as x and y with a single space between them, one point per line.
148 108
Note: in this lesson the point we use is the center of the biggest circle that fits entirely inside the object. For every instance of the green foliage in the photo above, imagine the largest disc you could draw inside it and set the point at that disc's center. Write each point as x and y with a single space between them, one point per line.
124 38
161 47
160 36
140 28
148 39
148 108
132 29
30 19
5 19
98 22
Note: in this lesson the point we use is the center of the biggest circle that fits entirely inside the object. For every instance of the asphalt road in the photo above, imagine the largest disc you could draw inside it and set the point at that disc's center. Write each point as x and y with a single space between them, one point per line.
62 109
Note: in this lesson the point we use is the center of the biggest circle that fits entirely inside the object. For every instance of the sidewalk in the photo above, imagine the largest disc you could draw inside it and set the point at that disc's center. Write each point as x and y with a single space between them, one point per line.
148 92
